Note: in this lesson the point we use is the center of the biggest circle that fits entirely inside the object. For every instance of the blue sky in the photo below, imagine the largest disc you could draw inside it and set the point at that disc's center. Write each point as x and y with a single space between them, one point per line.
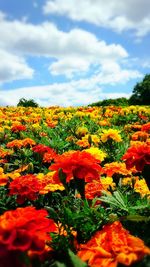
71 52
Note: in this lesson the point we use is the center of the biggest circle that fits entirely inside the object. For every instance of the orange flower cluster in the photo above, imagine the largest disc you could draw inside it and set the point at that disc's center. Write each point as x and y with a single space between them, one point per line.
78 164
117 168
26 187
24 229
111 246
21 143
137 156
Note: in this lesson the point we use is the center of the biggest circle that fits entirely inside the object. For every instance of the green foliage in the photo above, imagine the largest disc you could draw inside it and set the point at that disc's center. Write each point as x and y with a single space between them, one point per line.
112 102
141 92
27 103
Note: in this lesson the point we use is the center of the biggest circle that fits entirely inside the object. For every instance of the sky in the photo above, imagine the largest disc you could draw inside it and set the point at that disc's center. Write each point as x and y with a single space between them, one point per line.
72 52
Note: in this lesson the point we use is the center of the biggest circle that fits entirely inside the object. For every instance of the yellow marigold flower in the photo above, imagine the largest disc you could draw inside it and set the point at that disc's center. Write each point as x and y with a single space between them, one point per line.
97 153
84 142
13 175
81 131
50 185
3 177
141 187
111 134
70 138
106 182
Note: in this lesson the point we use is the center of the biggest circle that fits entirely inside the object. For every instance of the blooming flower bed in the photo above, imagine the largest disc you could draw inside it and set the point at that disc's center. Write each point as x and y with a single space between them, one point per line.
74 186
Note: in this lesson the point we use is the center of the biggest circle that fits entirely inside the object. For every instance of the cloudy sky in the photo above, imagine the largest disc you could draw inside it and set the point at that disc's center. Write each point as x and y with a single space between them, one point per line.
72 52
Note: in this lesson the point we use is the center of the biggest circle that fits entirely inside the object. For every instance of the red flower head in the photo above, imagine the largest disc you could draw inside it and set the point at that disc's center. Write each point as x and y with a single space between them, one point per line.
18 128
137 156
79 164
93 189
26 187
146 127
111 246
41 149
24 229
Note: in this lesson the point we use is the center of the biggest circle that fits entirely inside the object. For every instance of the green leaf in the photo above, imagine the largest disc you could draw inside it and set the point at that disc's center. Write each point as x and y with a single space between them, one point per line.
75 260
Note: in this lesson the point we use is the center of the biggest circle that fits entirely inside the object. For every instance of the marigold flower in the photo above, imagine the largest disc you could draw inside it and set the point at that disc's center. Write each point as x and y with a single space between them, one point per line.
146 127
96 152
111 246
28 142
117 167
140 135
14 144
78 164
137 156
25 187
81 131
84 142
50 184
49 156
41 149
18 128
24 229
93 189
111 134
3 177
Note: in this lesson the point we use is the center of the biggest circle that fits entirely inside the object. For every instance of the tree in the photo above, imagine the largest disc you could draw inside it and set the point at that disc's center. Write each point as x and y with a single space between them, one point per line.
141 92
27 103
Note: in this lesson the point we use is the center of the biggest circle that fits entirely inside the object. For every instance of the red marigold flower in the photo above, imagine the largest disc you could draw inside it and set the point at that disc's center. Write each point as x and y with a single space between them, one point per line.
26 187
24 229
111 246
137 156
41 149
18 128
146 127
93 189
79 164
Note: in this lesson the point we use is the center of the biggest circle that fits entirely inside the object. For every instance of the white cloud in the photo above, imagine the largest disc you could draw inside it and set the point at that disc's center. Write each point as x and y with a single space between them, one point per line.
114 14
80 92
13 67
73 51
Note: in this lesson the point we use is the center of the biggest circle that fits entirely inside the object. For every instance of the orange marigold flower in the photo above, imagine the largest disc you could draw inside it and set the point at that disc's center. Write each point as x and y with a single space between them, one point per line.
111 246
117 167
24 229
137 156
14 144
141 136
4 153
93 189
28 142
49 156
78 164
26 187
18 128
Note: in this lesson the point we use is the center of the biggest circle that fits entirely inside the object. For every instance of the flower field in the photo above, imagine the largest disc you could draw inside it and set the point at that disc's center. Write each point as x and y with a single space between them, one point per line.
74 186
